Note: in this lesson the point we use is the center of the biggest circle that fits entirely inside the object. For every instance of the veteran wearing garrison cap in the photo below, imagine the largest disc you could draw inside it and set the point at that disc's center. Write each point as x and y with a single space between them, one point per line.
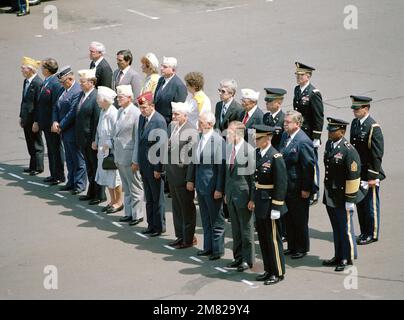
275 116
28 109
252 114
367 138
269 204
341 192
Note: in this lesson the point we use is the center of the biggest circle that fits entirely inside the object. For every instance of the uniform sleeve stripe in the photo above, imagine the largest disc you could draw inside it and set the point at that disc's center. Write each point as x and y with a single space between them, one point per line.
320 132
352 186
371 171
278 203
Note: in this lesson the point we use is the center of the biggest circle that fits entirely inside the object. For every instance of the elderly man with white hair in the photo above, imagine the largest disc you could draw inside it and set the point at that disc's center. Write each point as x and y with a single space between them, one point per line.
182 134
103 145
169 88
124 143
103 69
207 176
252 114
31 90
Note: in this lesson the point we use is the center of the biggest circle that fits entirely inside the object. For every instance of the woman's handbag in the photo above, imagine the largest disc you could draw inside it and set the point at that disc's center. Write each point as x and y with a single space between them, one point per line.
109 162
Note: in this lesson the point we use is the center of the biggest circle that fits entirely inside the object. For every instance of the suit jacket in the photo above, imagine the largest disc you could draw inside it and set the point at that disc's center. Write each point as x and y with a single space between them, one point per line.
103 73
299 159
310 104
174 91
275 122
124 134
208 172
65 111
256 118
233 112
179 151
29 102
240 177
342 175
368 140
141 152
131 77
271 183
47 99
87 116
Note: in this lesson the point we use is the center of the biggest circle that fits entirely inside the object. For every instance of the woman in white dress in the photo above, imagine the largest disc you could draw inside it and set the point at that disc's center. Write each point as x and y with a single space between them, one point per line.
103 143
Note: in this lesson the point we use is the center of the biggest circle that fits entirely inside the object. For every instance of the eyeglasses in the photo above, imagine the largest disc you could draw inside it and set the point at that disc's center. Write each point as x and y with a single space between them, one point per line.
222 91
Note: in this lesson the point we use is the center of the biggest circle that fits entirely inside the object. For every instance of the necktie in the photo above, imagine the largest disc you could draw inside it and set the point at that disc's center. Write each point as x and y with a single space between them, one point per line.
232 157
81 102
200 147
92 65
245 118
224 110
119 79
288 141
26 85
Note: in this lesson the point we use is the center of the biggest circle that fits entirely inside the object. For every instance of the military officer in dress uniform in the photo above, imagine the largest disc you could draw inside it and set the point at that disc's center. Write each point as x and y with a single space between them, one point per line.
275 116
308 101
269 204
367 138
341 192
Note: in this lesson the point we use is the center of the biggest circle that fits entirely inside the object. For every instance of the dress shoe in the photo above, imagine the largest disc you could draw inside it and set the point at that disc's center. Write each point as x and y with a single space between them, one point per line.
366 240
114 209
331 263
125 219
76 191
95 201
342 265
22 13
155 234
183 245
135 222
55 182
84 198
234 264
298 255
263 277
273 280
48 179
176 242
35 172
65 188
204 253
104 209
147 231
244 266
215 257
27 170
288 252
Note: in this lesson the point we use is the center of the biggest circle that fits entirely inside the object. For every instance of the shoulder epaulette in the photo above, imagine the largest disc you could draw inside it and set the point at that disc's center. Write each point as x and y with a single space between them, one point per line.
277 155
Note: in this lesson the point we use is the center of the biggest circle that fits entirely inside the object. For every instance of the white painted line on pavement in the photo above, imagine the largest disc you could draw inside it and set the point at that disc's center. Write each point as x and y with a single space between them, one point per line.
2 169
143 14
141 235
15 176
249 283
221 270
225 8
59 195
38 184
105 27
117 224
80 206
97 216
168 247
91 211
195 259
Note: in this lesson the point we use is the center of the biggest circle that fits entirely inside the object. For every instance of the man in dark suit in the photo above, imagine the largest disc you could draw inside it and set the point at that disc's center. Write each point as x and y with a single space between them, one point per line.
170 88
64 118
47 99
275 116
87 115
227 109
308 101
182 134
341 192
29 105
252 114
269 204
103 71
152 133
367 138
240 169
207 176
298 153
126 74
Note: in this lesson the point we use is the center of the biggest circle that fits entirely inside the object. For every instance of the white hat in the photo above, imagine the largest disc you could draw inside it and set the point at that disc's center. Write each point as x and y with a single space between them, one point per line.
87 73
182 107
170 61
106 92
249 94
125 90
152 59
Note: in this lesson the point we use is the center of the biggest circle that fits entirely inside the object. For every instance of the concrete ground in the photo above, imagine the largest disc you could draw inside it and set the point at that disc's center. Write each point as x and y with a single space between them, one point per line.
256 42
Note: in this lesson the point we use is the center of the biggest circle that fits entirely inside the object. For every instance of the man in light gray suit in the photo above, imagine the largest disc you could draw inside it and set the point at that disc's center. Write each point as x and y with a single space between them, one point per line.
124 136
183 134
125 74
240 168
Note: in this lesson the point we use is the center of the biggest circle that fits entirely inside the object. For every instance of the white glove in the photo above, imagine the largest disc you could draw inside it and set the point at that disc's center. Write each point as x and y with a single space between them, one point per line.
364 185
316 143
275 214
349 206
